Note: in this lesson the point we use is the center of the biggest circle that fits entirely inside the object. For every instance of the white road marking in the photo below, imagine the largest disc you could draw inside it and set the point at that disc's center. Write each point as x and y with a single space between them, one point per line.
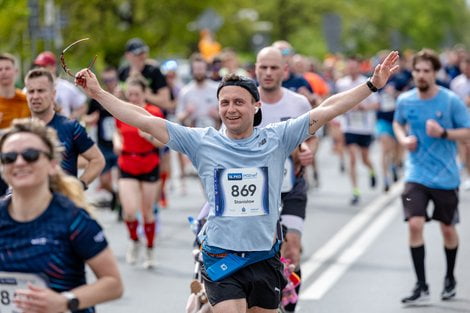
334 272
344 235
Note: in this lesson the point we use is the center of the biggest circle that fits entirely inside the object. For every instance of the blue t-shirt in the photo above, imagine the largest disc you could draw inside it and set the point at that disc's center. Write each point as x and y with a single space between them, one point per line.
55 245
295 82
73 138
433 162
213 153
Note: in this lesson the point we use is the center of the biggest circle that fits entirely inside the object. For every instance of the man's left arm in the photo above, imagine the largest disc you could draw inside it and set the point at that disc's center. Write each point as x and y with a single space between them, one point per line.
346 100
94 165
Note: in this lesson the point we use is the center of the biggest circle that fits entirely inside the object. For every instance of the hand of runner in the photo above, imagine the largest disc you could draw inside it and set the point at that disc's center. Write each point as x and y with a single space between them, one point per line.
40 299
305 155
384 70
88 81
410 143
434 129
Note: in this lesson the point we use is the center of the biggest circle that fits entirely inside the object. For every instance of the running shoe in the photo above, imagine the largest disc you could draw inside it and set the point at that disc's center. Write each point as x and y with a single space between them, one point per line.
354 200
133 252
149 259
373 180
449 289
419 295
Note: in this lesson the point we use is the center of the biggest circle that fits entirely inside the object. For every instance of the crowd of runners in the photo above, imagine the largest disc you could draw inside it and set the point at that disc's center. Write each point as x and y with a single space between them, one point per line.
250 132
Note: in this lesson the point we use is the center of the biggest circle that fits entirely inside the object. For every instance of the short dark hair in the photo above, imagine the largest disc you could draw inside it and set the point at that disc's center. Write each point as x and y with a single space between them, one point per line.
8 57
39 72
246 83
240 81
427 55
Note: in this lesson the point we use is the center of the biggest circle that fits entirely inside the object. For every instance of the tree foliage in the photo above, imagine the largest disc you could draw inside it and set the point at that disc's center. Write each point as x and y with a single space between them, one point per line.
366 25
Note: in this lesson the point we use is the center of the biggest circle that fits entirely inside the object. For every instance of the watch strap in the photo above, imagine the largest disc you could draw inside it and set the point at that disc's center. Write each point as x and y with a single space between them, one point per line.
371 86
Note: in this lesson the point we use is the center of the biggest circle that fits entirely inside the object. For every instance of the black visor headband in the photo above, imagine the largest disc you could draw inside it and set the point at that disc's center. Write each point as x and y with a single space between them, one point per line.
245 83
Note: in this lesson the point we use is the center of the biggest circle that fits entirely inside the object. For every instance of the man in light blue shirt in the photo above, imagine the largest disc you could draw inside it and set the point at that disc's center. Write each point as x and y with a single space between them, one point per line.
241 169
428 119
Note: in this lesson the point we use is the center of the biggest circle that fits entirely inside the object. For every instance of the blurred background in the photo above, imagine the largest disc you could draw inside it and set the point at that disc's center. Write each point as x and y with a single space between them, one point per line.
175 28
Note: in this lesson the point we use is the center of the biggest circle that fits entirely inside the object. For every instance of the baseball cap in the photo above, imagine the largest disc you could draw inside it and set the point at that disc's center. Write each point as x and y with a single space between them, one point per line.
46 58
136 46
245 83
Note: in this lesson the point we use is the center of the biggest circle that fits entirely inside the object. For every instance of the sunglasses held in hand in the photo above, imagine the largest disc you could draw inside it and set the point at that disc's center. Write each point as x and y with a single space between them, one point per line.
30 155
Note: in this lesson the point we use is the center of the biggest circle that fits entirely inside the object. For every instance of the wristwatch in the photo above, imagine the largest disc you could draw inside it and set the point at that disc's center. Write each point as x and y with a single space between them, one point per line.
72 301
444 134
371 86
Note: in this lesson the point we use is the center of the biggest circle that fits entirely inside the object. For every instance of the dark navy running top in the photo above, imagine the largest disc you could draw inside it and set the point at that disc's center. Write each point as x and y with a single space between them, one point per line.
73 138
55 245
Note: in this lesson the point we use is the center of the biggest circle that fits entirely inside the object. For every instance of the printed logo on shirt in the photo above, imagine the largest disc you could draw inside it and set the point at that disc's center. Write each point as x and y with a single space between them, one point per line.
262 142
99 237
39 241
235 176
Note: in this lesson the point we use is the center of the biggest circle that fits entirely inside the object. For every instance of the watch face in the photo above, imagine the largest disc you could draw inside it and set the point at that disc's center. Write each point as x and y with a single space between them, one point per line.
73 304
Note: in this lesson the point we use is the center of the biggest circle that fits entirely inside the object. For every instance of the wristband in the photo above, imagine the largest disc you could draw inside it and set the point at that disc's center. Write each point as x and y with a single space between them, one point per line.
444 134
371 86
85 186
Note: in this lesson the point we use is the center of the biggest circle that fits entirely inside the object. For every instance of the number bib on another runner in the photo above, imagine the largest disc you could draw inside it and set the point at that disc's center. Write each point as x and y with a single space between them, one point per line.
289 176
241 192
10 283
109 128
356 119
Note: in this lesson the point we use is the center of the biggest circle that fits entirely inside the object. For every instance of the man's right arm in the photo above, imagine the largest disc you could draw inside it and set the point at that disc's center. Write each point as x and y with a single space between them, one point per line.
122 110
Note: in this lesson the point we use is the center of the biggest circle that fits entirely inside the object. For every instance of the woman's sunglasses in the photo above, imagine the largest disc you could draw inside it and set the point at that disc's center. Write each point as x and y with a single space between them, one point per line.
30 155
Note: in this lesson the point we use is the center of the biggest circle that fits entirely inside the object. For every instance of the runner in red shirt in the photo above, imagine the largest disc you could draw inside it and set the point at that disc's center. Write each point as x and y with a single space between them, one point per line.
139 172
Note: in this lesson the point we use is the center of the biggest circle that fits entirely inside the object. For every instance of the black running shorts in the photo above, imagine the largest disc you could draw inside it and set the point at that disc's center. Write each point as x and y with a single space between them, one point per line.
260 284
415 199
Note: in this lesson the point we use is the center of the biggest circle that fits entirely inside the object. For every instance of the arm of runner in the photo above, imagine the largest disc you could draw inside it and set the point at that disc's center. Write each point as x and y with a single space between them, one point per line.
122 110
434 129
150 139
345 101
108 286
409 142
95 164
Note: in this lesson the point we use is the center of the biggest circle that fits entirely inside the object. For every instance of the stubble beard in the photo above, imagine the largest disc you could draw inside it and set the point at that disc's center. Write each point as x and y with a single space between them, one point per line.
423 87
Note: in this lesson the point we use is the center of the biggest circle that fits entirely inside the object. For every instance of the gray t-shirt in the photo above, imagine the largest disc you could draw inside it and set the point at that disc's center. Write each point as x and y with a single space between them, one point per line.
242 179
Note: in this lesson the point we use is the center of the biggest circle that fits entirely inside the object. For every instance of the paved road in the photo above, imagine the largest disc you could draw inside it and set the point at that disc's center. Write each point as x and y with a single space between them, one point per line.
355 258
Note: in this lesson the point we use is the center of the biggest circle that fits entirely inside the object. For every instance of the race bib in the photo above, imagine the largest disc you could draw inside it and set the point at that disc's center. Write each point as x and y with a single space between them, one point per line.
387 103
356 120
9 283
289 176
108 127
241 192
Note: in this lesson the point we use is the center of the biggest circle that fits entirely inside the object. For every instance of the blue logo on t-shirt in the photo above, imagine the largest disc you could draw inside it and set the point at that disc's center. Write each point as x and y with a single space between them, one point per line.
235 176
